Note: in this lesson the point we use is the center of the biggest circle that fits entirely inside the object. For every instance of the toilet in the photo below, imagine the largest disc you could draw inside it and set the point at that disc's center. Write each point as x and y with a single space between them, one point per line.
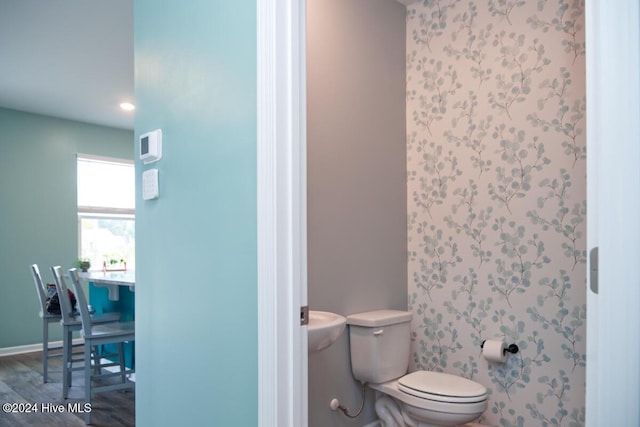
380 358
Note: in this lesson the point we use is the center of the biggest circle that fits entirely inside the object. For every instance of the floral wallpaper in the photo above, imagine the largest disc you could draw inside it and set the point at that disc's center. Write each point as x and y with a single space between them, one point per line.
497 200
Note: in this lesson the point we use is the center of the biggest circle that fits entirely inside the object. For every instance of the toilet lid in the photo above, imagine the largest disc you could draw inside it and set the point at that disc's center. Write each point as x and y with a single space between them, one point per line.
442 387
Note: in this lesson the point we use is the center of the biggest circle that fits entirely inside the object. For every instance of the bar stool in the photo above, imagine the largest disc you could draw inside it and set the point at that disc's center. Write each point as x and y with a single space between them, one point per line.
47 319
71 322
95 334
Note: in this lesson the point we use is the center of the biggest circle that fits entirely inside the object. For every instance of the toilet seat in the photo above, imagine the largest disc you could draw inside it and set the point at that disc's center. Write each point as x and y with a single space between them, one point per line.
424 409
441 387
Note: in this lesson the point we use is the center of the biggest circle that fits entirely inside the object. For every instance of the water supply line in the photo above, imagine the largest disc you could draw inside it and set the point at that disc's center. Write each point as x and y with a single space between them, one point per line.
335 404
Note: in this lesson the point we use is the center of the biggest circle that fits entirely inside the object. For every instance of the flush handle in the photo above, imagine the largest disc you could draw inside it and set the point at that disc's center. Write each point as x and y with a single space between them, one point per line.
378 332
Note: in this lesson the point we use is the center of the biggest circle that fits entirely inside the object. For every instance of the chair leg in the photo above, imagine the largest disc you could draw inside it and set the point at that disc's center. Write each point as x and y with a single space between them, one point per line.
69 345
96 359
87 380
45 349
121 359
66 362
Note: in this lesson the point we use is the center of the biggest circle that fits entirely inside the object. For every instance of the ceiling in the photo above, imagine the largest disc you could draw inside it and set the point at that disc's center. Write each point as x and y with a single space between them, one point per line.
71 59
68 58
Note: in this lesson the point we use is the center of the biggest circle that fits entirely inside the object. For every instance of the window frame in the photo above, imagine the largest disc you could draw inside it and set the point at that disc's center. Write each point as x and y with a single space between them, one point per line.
97 212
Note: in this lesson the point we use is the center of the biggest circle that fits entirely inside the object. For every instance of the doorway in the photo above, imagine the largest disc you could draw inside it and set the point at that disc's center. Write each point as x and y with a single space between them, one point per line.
293 9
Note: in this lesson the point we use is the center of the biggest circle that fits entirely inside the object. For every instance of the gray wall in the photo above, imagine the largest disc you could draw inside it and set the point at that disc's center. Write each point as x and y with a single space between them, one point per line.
356 180
38 208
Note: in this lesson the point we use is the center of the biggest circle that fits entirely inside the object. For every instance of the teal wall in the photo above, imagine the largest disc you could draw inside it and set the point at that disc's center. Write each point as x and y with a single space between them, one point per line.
38 208
196 256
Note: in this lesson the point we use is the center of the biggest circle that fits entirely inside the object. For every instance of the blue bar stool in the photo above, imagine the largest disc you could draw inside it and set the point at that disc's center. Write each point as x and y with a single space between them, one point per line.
99 334
48 351
71 322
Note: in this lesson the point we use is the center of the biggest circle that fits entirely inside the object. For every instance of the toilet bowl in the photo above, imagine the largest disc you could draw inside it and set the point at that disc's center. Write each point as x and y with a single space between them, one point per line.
432 399
379 343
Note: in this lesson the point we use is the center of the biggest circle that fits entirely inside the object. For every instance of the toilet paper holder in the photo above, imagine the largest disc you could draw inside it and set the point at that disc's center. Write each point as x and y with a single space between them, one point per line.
513 348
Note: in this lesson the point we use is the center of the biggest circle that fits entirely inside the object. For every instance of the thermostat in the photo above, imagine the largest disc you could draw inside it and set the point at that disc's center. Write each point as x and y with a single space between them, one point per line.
151 146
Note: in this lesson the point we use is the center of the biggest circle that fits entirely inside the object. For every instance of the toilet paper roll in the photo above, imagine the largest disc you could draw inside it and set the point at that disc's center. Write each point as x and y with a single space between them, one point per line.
493 351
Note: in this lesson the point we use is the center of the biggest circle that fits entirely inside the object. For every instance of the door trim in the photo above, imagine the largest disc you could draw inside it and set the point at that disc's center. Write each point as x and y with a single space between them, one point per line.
613 155
281 207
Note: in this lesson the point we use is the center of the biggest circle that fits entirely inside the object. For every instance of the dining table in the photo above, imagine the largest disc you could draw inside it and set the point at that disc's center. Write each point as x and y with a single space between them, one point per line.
113 281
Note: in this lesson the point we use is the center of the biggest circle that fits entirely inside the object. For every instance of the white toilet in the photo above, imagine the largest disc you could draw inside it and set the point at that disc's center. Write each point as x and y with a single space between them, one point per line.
380 358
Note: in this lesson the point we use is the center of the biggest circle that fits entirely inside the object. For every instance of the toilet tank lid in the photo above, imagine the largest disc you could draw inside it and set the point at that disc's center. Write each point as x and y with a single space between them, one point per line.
374 319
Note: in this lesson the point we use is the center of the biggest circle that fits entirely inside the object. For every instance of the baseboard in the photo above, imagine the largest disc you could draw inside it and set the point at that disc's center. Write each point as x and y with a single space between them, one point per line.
31 348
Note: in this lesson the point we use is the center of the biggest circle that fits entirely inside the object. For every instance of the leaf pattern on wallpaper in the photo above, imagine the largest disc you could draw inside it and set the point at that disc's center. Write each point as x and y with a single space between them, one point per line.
441 84
520 60
496 161
504 8
521 160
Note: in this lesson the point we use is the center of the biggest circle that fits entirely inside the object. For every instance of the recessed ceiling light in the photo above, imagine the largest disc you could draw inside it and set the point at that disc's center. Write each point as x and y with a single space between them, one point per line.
127 106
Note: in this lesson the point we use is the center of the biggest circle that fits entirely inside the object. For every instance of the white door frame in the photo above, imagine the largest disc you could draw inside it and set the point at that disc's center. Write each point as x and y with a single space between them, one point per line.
282 253
613 203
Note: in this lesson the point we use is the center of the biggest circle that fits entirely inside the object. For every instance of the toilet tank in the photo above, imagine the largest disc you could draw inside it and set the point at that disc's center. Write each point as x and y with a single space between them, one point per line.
379 344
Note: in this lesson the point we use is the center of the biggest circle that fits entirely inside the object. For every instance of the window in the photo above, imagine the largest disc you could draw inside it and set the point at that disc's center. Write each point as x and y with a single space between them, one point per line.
106 210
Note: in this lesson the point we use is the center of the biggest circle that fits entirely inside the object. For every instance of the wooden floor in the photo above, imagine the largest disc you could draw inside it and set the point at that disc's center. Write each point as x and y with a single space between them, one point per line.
21 382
